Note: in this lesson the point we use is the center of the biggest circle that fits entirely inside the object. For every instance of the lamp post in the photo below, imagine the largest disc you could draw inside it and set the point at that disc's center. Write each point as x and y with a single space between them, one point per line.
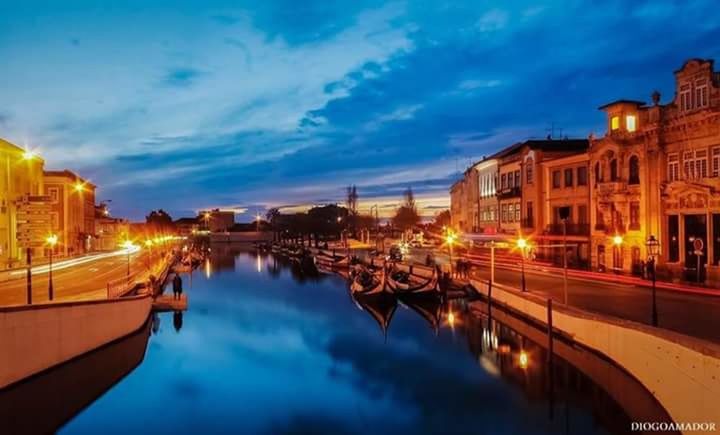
617 255
128 245
653 248
51 241
450 238
522 245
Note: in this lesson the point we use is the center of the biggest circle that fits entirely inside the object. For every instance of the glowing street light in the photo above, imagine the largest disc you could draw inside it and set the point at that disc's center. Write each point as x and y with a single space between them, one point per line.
617 240
29 155
128 245
79 186
450 239
51 240
522 244
653 250
523 360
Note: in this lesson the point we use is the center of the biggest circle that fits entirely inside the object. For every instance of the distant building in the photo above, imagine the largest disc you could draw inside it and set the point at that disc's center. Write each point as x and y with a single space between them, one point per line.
72 209
110 231
487 202
216 220
22 175
187 226
656 172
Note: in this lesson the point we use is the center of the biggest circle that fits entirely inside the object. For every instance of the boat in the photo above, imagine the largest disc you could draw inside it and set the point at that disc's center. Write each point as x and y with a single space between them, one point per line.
402 282
331 259
365 282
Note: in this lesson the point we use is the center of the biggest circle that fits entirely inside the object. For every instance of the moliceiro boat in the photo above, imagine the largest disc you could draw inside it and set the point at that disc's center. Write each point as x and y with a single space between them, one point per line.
407 282
367 282
331 259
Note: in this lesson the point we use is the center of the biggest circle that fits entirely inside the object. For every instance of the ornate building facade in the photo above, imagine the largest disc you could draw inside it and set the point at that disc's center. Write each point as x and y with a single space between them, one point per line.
656 172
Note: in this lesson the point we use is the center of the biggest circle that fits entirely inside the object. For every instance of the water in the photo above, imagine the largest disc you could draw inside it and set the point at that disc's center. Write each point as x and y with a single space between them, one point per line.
267 349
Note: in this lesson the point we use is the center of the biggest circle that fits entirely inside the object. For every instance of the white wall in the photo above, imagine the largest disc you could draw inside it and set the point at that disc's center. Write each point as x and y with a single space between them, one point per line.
682 372
34 338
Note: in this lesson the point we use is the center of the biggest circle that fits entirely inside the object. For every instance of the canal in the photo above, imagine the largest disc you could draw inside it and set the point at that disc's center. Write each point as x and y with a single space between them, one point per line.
266 348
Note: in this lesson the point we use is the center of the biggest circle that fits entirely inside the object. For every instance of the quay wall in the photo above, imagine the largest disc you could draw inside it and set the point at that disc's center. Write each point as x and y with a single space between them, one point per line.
34 338
683 373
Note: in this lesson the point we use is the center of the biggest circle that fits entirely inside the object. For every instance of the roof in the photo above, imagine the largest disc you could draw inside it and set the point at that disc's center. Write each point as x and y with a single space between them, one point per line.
621 101
544 145
66 173
698 60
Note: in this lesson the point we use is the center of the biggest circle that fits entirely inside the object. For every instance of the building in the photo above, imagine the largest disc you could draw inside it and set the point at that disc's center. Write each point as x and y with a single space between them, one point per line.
509 192
72 211
487 175
458 204
187 226
216 220
656 172
110 231
22 175
565 184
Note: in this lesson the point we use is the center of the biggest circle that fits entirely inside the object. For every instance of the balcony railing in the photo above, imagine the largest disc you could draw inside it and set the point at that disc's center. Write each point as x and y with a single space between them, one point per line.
572 229
509 192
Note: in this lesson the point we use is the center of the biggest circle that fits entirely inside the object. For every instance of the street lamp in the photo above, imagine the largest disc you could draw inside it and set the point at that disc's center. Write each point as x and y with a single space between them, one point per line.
653 249
450 238
51 240
522 245
29 155
128 245
79 186
617 254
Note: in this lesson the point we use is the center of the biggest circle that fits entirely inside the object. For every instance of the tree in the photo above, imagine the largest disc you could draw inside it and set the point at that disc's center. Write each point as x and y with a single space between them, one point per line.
406 216
352 204
159 222
272 217
442 219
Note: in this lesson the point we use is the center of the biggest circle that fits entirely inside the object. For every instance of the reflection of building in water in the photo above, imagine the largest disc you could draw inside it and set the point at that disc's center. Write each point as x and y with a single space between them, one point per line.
45 402
580 378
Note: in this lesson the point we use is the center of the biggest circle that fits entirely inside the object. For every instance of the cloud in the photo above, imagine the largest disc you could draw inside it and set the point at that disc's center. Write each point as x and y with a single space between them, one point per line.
181 77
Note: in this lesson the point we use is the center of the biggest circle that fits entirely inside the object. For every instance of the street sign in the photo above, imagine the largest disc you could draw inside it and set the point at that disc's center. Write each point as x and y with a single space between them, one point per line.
698 244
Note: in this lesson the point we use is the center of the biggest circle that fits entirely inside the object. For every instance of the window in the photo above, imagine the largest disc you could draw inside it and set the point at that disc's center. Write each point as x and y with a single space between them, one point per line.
517 212
674 236
568 177
701 93
695 164
613 170
598 173
582 214
529 211
716 162
510 183
503 183
529 171
685 97
673 167
634 177
582 176
556 179
614 123
517 178
631 123
504 212
634 215
53 193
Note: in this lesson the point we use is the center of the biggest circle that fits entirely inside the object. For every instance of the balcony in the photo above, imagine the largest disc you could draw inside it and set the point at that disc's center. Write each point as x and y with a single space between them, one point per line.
572 229
609 188
509 192
527 223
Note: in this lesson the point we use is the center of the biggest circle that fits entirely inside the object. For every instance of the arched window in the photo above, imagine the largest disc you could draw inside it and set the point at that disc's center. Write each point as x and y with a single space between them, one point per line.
598 173
529 171
634 176
613 170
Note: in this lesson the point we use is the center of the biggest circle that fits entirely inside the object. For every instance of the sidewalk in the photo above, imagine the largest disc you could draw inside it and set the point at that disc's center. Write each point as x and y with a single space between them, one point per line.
545 268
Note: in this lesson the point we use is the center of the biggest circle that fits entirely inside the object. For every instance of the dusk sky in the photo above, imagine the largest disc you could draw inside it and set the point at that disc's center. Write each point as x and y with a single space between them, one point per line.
250 104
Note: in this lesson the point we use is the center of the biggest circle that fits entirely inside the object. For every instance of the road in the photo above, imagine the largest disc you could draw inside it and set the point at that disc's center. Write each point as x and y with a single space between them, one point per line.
80 282
689 314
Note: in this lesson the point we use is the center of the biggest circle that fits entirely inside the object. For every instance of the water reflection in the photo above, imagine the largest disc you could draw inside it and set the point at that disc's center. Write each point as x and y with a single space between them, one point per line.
278 348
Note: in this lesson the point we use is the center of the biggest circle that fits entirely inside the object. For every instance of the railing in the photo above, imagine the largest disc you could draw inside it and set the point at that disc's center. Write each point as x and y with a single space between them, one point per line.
121 286
572 229
509 192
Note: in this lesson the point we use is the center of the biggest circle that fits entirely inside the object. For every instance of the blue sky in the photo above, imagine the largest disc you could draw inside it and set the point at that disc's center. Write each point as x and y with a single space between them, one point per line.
192 104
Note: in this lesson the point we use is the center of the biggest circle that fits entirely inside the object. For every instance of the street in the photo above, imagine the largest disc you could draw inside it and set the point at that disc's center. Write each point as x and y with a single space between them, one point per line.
83 281
689 314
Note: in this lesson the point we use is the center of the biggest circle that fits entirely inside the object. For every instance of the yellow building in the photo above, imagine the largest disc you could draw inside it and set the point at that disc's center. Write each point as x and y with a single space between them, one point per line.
21 175
72 209
656 172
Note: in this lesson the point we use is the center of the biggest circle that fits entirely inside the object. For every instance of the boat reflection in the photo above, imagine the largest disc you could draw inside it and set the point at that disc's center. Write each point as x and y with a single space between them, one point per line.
45 402
381 308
